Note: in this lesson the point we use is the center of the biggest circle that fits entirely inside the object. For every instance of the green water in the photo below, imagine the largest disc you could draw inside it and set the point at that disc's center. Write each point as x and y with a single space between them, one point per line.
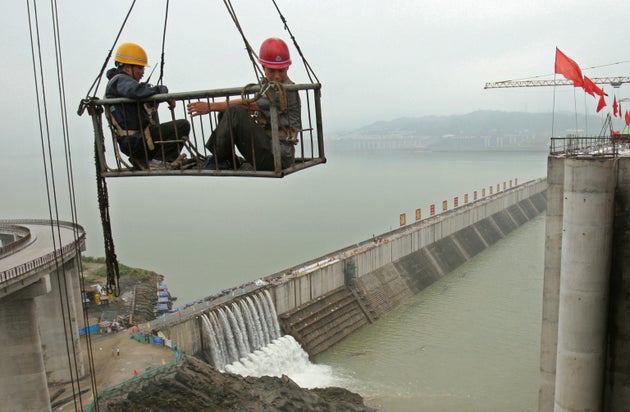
469 342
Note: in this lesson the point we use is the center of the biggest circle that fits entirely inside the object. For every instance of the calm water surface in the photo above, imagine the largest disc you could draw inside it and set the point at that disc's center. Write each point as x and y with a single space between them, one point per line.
206 234
469 342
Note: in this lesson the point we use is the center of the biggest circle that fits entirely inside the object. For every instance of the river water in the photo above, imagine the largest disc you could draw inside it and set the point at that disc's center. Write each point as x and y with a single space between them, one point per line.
469 342
206 234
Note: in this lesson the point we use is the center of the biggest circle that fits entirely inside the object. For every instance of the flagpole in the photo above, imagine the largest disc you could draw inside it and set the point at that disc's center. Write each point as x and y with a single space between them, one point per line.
553 108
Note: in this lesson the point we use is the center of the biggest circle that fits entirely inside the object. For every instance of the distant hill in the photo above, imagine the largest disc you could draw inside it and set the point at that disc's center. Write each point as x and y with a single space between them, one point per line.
482 129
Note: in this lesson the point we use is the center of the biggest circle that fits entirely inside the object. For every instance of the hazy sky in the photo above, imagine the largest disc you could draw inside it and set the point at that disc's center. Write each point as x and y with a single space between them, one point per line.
377 60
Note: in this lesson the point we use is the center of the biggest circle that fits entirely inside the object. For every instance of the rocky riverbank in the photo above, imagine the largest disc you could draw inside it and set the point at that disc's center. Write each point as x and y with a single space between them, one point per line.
137 299
194 385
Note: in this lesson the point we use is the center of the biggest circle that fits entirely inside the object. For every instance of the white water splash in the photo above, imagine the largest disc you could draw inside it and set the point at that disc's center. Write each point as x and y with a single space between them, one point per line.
284 356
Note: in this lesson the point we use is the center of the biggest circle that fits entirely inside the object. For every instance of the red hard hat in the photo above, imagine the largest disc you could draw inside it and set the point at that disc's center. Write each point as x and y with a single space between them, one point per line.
274 54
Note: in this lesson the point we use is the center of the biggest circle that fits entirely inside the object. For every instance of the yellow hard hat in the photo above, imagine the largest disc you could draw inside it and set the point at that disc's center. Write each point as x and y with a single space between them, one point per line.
131 53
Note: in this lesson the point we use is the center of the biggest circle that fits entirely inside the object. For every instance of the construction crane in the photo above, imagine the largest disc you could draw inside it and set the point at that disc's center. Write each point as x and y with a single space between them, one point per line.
505 84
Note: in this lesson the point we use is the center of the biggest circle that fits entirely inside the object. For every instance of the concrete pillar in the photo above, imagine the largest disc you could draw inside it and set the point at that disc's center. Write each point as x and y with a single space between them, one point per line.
589 185
23 385
78 295
58 328
551 282
73 273
6 238
617 388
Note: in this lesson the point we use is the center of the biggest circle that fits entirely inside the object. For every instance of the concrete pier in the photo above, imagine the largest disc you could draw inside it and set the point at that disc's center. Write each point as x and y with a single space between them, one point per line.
23 385
551 284
617 384
585 328
39 286
59 330
588 214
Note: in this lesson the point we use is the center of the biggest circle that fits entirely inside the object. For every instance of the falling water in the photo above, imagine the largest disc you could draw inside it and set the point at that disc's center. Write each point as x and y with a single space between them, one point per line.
227 336
230 335
263 320
244 337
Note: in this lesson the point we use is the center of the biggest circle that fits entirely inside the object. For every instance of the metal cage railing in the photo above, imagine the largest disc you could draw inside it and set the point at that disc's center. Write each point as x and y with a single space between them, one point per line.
193 161
583 146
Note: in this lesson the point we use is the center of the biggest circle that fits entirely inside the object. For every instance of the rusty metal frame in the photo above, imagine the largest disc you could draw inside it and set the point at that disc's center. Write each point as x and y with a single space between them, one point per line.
309 157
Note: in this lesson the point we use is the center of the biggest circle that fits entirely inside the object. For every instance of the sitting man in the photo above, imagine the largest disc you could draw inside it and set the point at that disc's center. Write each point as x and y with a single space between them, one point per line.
139 136
252 135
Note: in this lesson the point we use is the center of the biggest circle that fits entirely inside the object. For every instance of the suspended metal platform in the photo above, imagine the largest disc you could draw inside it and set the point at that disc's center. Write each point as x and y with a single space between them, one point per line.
195 159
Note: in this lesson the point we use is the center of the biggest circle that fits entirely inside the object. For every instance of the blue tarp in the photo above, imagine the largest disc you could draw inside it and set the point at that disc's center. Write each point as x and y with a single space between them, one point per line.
157 340
92 329
162 293
161 306
162 287
163 299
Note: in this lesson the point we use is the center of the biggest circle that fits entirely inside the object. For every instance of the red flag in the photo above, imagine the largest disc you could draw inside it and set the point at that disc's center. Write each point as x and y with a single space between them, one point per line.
627 118
615 107
592 89
568 68
601 104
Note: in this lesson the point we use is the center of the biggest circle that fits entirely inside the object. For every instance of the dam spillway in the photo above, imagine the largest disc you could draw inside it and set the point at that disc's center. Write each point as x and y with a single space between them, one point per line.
322 301
234 330
378 277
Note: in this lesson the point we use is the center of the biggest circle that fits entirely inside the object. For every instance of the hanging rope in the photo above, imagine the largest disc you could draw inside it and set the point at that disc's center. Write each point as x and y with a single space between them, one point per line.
111 261
163 42
65 292
252 54
309 70
97 81
250 51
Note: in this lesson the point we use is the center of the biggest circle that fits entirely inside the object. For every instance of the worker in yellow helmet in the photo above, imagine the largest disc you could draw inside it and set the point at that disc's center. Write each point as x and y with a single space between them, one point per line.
149 144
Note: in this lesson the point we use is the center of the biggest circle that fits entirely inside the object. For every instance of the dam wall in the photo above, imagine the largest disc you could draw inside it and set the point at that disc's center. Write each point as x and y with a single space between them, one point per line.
340 293
471 228
326 299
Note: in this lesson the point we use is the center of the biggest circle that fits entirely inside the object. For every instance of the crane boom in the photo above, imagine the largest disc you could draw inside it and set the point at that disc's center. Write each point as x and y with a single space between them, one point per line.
613 81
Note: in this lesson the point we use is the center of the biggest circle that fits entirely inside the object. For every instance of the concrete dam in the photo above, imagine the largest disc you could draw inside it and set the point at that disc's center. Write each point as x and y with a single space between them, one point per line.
322 301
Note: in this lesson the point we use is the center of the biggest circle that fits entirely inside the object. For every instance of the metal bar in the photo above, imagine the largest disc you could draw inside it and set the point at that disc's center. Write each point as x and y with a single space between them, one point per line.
299 165
99 138
196 146
275 139
202 94
318 120
581 146
613 81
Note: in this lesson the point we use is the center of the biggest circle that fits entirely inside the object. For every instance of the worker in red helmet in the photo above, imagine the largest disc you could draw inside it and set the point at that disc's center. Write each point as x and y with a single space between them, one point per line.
247 124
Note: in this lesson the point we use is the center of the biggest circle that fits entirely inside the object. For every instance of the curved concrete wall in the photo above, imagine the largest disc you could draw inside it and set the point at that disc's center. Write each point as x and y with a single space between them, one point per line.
488 220
376 276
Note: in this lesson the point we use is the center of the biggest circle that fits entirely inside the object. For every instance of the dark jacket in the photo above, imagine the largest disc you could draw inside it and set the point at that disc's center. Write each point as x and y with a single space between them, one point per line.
130 116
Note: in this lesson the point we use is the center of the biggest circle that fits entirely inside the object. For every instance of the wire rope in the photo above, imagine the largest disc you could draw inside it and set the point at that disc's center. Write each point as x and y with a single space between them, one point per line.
49 174
51 189
73 205
250 51
309 70
97 81
163 43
